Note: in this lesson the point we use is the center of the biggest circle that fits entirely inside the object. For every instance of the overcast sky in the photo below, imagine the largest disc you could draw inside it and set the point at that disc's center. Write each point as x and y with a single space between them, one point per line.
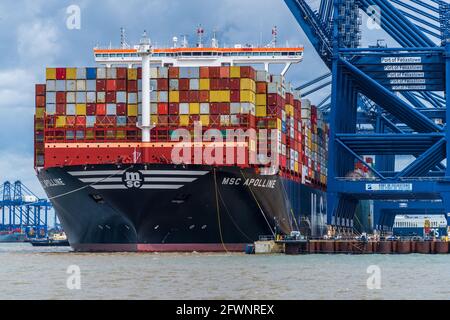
34 35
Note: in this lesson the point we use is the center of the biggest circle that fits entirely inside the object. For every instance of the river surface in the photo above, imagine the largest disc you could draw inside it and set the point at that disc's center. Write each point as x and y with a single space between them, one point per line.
42 273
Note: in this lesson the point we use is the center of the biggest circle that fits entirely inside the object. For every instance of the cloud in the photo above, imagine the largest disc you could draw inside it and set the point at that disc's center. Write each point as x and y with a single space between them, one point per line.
38 40
16 88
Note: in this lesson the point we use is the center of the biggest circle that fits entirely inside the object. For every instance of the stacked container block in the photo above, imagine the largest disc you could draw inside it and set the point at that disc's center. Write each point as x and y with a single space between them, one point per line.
104 105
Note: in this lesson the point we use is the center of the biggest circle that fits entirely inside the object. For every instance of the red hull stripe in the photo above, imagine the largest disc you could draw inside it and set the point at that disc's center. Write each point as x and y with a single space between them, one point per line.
172 247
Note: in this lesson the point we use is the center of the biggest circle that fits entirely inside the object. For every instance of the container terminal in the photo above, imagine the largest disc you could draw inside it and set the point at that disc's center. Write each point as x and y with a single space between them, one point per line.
141 153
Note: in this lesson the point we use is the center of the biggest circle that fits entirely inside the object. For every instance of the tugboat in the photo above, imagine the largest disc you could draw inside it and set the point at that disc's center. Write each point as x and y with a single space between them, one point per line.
55 240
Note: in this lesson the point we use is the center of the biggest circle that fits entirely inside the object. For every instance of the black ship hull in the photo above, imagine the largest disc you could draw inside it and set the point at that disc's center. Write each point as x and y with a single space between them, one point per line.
178 208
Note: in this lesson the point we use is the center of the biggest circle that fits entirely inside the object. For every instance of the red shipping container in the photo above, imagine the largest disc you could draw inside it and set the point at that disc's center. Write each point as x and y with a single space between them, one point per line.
193 96
61 97
163 120
289 99
80 121
139 73
184 96
224 84
235 84
203 96
121 109
40 89
235 96
174 108
261 87
183 84
131 121
101 109
214 72
121 73
163 84
111 85
163 108
40 101
214 84
132 86
111 97
204 72
214 108
90 109
60 109
60 73
101 85
121 85
214 120
70 121
174 120
174 72
224 72
224 108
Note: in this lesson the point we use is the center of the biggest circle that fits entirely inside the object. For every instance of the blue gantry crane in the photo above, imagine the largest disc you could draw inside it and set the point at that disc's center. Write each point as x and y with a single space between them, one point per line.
22 210
400 90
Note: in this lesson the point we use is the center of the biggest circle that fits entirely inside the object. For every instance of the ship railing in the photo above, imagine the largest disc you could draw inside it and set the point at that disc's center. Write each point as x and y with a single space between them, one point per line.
266 238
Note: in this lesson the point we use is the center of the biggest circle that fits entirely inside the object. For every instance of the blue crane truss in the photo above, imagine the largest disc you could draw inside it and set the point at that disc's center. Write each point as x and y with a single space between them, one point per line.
22 210
401 91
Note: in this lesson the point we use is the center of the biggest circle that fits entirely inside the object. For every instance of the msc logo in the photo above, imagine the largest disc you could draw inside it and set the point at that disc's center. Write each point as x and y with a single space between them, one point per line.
133 179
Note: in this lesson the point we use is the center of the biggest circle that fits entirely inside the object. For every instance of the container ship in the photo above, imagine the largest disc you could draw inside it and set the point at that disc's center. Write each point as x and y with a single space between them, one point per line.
180 149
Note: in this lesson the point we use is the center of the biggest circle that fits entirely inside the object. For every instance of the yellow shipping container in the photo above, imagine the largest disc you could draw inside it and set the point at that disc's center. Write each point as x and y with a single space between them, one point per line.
51 73
121 134
71 73
40 113
261 111
219 96
132 110
296 166
184 120
154 119
90 135
60 121
279 126
132 74
261 99
248 96
81 109
235 72
204 84
289 110
204 119
194 108
174 96
248 84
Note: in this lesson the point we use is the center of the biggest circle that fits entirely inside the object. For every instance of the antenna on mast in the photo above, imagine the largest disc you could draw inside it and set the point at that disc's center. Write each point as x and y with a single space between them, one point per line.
123 41
214 41
200 33
274 36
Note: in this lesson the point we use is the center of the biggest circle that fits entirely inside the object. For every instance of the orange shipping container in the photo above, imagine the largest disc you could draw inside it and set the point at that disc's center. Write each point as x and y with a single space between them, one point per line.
204 72
101 109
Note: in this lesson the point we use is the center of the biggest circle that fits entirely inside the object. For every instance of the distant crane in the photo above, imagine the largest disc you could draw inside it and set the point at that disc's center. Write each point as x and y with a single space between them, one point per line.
22 210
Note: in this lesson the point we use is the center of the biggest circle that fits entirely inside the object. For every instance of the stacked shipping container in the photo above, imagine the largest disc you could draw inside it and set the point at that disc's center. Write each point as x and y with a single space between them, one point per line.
103 104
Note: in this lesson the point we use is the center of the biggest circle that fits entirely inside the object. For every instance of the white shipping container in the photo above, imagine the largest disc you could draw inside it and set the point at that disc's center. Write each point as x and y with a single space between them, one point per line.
111 109
262 76
91 85
153 108
273 88
204 108
153 73
70 109
194 84
91 97
121 97
132 97
90 121
234 119
71 85
70 97
248 107
50 108
60 85
224 119
111 73
101 97
153 84
173 85
81 85
50 85
283 149
235 108
101 73
163 72
163 96
81 97
184 108
50 97
81 73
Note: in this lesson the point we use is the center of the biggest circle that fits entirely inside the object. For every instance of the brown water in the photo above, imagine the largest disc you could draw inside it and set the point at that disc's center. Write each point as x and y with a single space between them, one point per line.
40 273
